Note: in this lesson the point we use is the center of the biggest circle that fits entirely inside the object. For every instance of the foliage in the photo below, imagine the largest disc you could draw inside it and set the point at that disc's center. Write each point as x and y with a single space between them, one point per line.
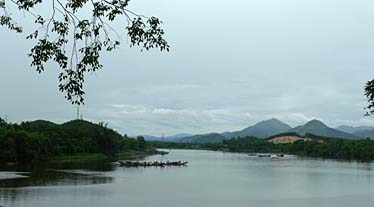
2 122
40 140
75 40
336 149
248 144
369 93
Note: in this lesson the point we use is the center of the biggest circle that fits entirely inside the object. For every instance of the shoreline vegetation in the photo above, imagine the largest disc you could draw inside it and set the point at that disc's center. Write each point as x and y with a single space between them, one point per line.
73 141
307 146
86 157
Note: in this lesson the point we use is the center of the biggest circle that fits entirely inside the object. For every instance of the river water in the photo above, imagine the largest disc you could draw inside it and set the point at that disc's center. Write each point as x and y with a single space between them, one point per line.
210 179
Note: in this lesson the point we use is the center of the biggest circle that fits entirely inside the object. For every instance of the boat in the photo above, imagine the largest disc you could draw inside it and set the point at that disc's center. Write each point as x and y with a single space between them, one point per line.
264 155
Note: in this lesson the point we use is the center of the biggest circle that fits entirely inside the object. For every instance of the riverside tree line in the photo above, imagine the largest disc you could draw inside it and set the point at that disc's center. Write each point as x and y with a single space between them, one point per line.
40 140
319 147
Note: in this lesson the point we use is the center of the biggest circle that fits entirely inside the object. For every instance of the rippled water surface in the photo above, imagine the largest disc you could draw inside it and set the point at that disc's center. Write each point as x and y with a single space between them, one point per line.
211 179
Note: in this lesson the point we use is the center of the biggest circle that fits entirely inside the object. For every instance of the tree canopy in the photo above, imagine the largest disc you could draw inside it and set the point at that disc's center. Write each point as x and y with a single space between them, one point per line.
369 93
75 40
40 140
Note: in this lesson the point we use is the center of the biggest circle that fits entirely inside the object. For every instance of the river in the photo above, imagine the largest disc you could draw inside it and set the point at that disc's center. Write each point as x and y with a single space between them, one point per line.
211 179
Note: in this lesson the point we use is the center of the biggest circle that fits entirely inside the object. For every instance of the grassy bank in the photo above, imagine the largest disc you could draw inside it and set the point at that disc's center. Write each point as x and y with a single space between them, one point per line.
81 157
135 154
85 157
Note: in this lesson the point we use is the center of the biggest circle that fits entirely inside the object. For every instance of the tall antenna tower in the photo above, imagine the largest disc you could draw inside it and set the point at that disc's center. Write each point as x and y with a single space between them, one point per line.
163 137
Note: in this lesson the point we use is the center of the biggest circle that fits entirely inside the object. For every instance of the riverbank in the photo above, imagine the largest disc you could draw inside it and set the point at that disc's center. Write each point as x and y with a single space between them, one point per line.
86 157
313 146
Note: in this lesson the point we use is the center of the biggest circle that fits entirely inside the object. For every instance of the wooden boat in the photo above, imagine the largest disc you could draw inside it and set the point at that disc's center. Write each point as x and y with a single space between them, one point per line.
264 155
280 155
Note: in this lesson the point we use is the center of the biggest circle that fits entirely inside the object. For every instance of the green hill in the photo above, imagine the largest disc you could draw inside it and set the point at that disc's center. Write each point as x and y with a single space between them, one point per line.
40 140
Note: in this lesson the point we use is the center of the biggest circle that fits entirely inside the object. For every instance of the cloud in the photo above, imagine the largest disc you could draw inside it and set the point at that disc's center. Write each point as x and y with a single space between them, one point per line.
129 109
179 112
293 69
222 106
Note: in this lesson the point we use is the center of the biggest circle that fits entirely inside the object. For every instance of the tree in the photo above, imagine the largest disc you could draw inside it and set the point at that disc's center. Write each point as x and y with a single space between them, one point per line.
2 122
141 143
40 140
75 41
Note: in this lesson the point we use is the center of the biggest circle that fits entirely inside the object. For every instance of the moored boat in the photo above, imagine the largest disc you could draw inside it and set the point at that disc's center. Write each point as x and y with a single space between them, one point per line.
264 155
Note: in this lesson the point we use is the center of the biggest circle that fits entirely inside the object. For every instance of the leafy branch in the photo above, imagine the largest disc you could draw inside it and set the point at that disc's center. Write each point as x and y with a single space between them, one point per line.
76 43
369 93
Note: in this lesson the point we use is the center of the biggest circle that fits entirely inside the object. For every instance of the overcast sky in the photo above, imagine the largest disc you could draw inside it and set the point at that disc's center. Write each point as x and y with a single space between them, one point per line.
232 64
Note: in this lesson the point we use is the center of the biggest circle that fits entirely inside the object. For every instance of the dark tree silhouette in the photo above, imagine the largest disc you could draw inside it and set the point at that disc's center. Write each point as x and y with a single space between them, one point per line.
2 122
369 93
75 40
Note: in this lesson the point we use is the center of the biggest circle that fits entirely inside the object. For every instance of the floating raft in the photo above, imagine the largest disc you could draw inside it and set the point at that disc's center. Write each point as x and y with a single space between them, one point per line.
150 164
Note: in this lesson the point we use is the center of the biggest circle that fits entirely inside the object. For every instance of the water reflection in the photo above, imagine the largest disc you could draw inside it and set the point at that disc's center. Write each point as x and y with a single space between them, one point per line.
211 179
86 173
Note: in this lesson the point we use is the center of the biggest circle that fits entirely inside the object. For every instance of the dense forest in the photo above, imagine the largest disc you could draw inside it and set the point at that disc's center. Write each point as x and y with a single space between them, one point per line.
320 147
40 140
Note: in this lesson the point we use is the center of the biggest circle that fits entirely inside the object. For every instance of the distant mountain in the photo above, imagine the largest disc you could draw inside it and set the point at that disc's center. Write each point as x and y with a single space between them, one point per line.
151 138
271 127
262 129
365 133
178 136
175 137
204 138
352 130
317 127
